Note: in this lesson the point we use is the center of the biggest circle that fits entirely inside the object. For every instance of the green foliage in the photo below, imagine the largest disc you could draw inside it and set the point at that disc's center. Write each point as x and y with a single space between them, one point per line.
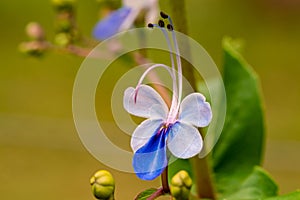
257 185
240 146
145 194
290 196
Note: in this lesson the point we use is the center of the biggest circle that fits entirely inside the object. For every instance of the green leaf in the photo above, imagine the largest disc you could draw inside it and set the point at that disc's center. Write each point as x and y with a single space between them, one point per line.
291 196
240 146
257 185
145 194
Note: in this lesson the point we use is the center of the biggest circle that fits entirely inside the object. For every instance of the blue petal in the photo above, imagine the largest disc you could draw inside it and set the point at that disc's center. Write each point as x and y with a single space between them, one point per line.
111 24
144 132
151 159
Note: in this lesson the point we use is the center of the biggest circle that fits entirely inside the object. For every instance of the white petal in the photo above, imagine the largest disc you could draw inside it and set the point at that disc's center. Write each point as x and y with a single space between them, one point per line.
152 12
141 4
132 3
195 110
184 141
150 6
143 132
148 103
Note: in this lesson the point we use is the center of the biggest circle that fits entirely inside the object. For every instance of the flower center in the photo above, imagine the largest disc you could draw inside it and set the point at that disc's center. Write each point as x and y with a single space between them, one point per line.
164 129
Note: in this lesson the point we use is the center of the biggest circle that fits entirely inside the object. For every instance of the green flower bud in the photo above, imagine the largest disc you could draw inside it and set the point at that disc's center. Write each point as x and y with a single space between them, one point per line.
62 39
33 48
63 25
64 5
180 186
103 185
35 31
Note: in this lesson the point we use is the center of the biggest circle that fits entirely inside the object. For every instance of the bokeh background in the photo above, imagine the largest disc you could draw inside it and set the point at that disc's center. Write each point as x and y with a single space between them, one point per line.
41 156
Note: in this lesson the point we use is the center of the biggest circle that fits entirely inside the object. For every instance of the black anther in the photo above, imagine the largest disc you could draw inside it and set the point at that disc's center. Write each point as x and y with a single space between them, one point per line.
170 27
164 15
161 23
150 25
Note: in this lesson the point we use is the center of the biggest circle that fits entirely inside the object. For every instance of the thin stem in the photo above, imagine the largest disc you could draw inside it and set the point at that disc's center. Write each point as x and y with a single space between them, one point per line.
165 186
202 170
84 52
164 181
203 181
156 194
181 25
88 51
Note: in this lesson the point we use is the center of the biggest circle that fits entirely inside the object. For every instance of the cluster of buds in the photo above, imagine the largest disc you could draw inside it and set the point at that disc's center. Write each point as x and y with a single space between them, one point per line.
180 185
37 44
66 29
103 185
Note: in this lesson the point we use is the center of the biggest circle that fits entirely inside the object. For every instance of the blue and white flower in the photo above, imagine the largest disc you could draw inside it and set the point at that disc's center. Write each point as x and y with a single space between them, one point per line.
123 18
166 129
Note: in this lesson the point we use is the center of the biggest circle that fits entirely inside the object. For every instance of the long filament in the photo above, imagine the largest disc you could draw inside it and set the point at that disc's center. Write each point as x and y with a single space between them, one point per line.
179 67
175 101
170 50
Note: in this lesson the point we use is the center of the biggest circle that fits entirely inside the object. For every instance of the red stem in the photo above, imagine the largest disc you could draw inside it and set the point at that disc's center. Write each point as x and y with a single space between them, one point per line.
164 181
156 194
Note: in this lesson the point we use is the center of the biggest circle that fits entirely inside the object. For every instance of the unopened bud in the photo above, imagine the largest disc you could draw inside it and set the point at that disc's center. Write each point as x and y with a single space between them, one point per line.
66 5
103 185
62 39
180 186
33 48
35 31
63 25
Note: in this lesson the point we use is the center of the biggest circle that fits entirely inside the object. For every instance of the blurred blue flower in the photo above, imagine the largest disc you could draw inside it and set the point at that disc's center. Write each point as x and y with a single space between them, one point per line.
123 18
165 129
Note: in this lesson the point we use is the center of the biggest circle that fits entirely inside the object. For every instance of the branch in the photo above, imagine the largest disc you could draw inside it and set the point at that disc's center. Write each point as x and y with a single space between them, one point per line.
156 194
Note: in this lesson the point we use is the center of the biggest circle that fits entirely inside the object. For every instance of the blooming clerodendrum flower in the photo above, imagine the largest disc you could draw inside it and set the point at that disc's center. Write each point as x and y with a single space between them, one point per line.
123 18
166 129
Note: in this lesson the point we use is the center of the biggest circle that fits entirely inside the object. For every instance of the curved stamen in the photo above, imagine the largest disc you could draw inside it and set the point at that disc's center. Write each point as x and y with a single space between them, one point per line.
179 67
147 71
175 102
175 99
170 50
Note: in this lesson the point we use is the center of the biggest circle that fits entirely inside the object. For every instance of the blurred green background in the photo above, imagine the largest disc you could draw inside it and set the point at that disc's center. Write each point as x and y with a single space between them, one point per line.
41 154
